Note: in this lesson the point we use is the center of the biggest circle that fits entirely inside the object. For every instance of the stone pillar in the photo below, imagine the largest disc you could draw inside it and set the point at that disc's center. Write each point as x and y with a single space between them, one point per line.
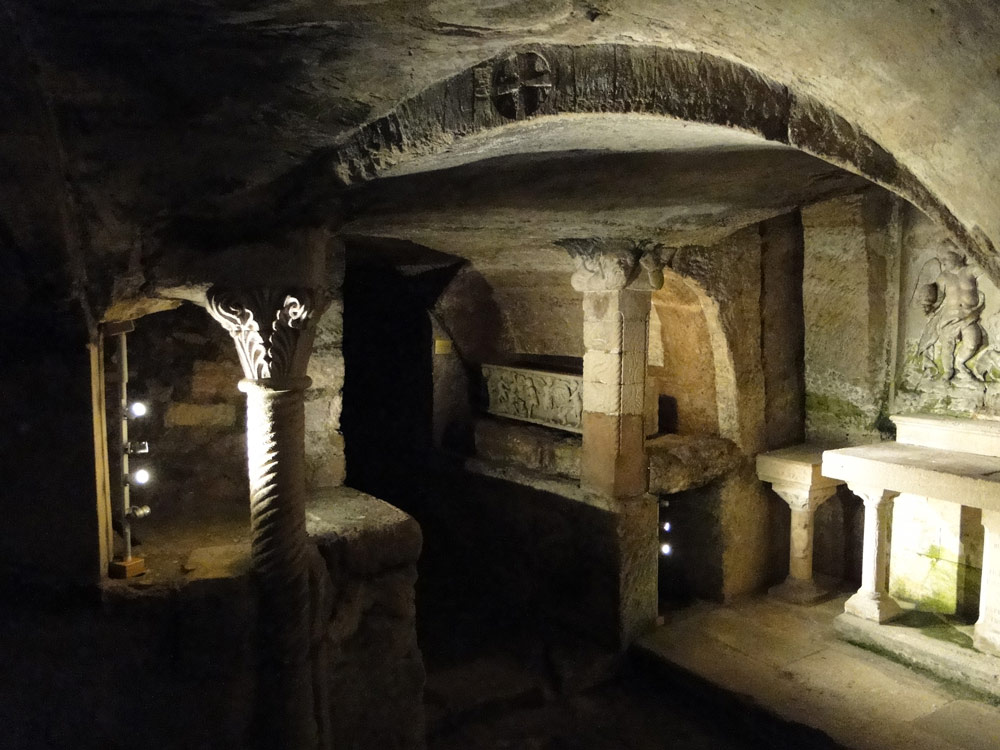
617 279
987 633
273 331
799 587
872 602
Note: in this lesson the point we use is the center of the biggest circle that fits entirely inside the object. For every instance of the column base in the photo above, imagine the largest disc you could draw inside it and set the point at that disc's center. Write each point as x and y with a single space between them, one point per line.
871 605
799 591
134 566
986 640
638 542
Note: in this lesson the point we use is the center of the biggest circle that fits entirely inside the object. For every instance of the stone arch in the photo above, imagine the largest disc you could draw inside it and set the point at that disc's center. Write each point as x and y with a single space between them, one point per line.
536 81
713 364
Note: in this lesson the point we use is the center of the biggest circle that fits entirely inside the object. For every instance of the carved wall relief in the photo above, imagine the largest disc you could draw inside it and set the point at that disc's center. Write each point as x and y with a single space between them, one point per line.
951 336
545 398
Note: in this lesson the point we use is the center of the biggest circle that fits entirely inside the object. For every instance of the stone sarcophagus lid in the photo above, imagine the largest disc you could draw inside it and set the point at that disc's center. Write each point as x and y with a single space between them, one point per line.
545 397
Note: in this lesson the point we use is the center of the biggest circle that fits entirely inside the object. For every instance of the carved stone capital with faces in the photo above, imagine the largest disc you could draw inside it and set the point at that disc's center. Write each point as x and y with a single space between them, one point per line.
607 265
273 329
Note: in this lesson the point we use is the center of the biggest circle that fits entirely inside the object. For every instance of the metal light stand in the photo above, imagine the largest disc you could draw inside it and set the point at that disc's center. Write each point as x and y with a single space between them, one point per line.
127 566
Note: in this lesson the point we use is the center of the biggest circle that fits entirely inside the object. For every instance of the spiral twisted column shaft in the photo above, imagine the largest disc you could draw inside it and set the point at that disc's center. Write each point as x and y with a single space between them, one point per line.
279 548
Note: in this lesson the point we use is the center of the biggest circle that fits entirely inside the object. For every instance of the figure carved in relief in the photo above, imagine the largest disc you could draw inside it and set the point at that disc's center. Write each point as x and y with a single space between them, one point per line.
953 334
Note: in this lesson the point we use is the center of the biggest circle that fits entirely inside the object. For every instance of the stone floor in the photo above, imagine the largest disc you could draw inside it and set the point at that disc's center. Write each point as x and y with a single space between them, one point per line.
769 657
498 677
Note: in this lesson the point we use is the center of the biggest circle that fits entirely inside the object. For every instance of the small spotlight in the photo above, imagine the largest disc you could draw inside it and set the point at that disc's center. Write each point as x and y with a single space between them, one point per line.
138 409
665 549
141 476
666 526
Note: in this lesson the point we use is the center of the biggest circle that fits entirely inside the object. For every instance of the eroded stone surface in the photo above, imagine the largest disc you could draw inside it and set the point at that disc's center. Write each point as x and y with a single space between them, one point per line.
682 462
368 534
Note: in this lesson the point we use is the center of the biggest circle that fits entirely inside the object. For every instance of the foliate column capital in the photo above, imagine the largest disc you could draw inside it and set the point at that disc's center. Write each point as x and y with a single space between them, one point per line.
273 329
802 496
873 496
609 265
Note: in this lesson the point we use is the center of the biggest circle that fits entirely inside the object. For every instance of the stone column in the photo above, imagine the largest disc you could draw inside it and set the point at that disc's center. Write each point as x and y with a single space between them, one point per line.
617 279
273 331
872 602
799 587
987 633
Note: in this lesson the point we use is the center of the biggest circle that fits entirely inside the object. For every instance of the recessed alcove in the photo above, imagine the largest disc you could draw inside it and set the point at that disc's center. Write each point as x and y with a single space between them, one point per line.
184 368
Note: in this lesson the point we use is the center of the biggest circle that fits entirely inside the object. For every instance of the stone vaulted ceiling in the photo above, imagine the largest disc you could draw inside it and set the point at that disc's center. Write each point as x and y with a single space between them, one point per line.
165 108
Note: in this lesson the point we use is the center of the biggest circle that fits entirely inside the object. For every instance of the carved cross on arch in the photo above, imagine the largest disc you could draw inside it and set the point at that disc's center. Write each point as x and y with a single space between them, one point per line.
521 84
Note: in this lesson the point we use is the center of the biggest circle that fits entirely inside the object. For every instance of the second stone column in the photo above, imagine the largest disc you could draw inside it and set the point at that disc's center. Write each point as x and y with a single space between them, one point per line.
617 278
273 331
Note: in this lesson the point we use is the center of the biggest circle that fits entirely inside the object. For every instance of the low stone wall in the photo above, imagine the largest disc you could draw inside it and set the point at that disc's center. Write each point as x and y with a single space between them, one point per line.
370 673
729 535
540 449
676 462
174 664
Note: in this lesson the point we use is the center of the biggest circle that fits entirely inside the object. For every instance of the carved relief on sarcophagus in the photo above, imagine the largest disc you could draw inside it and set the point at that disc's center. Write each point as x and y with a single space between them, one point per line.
547 398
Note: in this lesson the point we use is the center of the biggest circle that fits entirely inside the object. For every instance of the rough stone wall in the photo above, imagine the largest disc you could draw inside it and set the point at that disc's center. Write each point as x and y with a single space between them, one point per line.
730 274
495 314
185 368
852 250
681 364
782 330
838 544
541 312
850 297
46 445
370 674
325 462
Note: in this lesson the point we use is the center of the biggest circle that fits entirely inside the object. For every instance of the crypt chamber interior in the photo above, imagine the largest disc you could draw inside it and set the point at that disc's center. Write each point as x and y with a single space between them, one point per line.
514 374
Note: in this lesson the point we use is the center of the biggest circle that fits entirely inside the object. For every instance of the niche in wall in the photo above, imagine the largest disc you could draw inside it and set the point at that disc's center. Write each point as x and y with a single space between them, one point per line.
184 367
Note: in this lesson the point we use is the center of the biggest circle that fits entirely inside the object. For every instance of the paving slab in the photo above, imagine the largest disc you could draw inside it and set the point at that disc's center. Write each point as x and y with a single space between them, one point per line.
787 660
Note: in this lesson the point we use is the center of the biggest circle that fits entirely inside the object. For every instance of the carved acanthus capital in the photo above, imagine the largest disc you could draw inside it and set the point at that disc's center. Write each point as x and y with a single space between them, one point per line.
607 265
273 329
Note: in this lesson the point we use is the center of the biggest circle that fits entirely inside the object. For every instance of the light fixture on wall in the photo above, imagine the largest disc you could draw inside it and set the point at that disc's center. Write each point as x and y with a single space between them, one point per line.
666 549
128 565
